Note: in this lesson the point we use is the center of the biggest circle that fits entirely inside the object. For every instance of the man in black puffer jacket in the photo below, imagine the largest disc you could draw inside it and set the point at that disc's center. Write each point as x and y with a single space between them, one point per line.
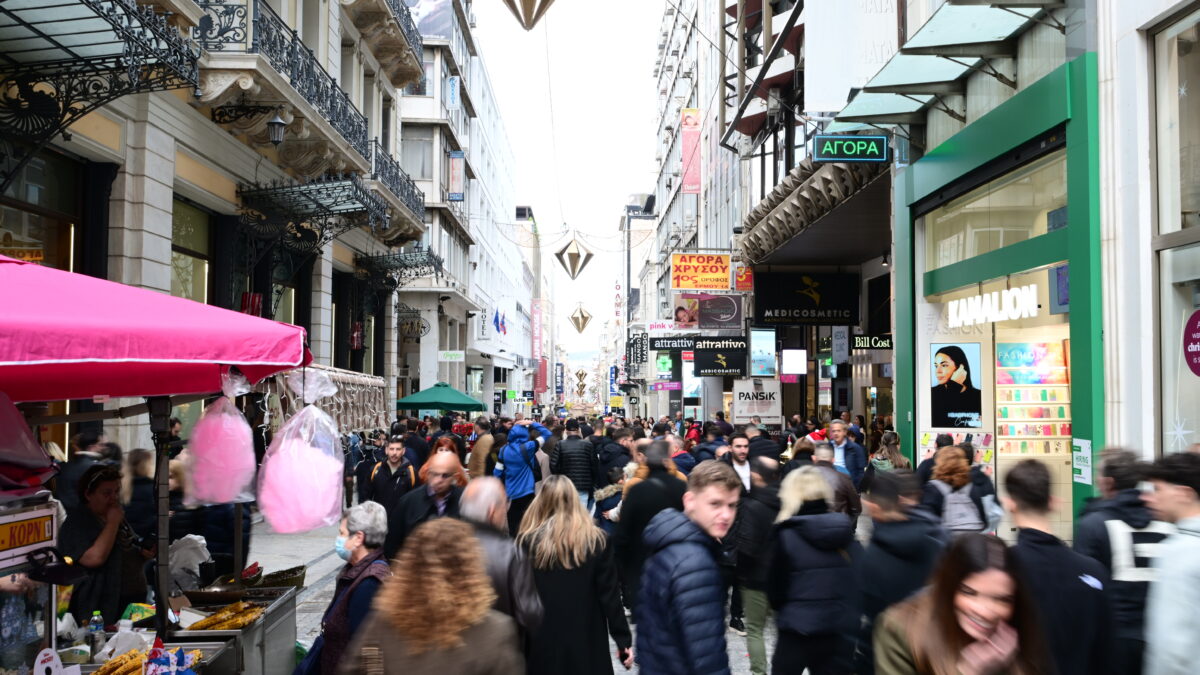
573 457
756 515
1120 533
612 453
681 612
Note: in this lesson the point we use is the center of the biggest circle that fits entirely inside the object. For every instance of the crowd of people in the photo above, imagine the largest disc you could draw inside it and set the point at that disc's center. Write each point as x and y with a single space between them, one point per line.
519 545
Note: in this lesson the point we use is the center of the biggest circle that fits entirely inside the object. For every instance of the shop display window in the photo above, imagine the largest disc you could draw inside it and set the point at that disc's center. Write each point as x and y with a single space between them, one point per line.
1179 297
1022 204
191 248
1177 66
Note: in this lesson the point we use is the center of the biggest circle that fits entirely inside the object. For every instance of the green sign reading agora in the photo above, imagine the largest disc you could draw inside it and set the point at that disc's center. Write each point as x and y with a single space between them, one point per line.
850 148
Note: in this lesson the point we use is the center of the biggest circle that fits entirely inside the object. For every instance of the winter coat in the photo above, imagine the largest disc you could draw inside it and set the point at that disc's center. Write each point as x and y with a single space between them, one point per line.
66 482
981 486
516 459
489 647
385 487
583 607
141 512
481 457
218 529
897 562
419 446
684 462
185 521
763 446
1171 629
512 577
1121 535
681 613
413 509
574 458
607 498
845 497
707 450
658 491
1068 590
855 458
353 593
610 454
755 516
810 583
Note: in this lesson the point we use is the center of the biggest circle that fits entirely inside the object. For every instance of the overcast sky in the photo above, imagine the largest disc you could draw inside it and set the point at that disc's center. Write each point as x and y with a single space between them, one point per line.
601 60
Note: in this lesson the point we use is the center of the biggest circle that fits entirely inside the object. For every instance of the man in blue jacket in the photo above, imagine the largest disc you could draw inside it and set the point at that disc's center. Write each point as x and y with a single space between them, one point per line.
681 609
846 453
515 465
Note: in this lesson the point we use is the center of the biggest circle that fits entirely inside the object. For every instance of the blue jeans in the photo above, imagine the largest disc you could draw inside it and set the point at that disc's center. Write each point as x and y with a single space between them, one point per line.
585 498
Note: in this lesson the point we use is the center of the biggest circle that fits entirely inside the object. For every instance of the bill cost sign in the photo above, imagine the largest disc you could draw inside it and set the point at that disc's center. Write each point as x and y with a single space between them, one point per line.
700 271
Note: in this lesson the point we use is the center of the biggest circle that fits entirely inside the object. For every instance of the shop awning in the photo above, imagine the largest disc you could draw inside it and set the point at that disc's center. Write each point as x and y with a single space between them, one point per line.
886 109
972 29
304 216
61 60
393 270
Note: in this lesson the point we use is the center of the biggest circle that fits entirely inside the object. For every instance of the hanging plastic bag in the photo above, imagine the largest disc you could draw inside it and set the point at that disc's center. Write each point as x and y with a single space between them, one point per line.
300 485
220 462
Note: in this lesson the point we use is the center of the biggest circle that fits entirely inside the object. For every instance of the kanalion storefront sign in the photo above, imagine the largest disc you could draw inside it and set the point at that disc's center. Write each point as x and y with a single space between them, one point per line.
994 307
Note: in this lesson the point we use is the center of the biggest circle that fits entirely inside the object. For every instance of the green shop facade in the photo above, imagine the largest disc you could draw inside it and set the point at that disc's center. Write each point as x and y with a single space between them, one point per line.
997 287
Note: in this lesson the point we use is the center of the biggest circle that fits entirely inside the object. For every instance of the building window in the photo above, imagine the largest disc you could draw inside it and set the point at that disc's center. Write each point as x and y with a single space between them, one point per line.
191 251
416 150
39 212
1177 51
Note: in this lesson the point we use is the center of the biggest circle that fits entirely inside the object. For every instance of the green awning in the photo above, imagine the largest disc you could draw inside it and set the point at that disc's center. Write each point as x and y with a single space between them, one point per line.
440 396
972 30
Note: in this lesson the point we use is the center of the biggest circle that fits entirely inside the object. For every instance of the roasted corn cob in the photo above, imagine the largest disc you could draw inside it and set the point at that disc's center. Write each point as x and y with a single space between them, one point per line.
223 614
118 663
240 620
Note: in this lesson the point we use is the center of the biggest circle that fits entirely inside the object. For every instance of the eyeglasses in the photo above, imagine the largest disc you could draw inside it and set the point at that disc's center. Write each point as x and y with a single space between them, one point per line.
435 474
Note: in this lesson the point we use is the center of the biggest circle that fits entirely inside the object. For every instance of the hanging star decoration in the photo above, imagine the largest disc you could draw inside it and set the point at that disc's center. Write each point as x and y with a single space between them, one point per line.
573 257
528 12
580 318
581 374
1179 434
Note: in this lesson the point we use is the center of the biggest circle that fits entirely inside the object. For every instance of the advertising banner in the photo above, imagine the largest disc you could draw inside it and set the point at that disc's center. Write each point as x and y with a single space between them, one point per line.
558 379
663 344
757 396
452 356
720 356
743 278
638 350
458 177
612 381
700 271
689 131
540 378
685 310
806 299
720 312
762 353
666 386
453 93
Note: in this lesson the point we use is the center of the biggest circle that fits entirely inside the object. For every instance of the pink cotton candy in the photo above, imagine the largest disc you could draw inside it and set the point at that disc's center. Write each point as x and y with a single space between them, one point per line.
300 486
221 461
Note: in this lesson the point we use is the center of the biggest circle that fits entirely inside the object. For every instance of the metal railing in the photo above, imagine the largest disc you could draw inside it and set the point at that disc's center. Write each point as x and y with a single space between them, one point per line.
386 170
408 27
251 26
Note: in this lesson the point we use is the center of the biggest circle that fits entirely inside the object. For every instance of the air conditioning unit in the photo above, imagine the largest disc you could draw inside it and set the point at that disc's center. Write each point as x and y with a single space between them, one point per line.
687 73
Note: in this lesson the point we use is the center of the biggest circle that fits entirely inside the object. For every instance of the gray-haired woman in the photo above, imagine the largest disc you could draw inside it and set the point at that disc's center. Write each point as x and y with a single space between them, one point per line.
360 543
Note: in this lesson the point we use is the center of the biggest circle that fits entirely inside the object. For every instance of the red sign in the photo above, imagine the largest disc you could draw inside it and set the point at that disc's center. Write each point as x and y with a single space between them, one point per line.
789 379
541 379
1191 342
743 278
689 356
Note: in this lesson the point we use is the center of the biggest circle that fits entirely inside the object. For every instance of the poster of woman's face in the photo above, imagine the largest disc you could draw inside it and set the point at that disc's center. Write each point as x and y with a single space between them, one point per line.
955 400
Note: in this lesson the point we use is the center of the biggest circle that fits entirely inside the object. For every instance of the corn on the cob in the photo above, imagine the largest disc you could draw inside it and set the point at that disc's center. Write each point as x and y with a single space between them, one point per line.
117 663
134 666
220 615
240 620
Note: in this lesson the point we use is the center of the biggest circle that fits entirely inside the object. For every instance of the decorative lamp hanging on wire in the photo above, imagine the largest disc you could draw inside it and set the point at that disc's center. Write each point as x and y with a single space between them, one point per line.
528 11
580 318
573 257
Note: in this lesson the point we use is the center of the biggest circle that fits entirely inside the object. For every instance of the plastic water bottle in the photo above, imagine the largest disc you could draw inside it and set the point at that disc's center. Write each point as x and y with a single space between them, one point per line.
96 632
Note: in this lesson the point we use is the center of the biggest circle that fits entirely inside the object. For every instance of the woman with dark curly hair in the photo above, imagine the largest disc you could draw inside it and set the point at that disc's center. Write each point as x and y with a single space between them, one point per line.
955 494
434 615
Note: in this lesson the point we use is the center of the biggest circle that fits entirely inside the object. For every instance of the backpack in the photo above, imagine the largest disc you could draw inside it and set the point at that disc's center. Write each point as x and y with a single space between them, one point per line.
959 513
530 460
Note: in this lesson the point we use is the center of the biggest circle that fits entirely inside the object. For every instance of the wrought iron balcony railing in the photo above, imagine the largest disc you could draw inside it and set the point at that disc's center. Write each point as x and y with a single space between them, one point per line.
251 26
411 33
386 170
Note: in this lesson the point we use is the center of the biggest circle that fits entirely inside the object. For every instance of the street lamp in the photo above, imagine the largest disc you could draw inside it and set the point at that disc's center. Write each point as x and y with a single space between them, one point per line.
276 128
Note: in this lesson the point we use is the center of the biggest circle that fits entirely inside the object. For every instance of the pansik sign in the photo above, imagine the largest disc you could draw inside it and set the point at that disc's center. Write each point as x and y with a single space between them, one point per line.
700 271
1007 305
757 396
806 299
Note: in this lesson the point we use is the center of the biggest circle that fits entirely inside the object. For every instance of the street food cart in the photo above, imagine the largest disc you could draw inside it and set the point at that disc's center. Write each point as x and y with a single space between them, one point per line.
70 336
27 609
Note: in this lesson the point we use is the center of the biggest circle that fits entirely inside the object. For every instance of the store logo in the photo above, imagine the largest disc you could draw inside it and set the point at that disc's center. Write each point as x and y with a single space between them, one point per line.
847 148
1008 305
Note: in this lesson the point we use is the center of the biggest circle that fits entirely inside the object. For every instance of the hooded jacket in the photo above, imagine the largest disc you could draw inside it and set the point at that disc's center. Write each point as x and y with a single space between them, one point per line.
1121 535
810 583
574 458
609 454
1171 629
516 460
681 611
898 561
755 516
708 449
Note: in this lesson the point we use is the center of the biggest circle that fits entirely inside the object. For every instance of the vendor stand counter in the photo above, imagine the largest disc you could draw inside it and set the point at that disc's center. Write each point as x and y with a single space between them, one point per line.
216 658
27 617
265 647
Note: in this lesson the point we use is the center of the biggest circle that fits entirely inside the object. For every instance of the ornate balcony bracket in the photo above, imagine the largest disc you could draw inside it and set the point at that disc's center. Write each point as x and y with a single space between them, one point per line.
393 270
59 62
388 27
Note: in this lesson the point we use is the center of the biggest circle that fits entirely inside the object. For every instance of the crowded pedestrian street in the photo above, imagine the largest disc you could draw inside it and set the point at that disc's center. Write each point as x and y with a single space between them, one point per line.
557 337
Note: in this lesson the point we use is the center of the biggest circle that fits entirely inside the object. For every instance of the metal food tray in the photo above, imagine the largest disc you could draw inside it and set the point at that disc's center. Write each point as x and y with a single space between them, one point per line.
265 647
217 657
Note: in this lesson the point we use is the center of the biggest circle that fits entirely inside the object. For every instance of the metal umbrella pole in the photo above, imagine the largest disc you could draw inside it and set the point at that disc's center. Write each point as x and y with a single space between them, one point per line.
160 427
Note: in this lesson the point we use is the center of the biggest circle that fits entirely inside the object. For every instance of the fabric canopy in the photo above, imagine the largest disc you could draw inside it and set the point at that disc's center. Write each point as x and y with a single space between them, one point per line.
440 396
71 336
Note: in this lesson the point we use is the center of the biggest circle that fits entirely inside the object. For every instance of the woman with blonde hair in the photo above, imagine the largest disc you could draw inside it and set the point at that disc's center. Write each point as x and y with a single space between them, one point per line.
577 580
811 583
956 494
434 615
137 492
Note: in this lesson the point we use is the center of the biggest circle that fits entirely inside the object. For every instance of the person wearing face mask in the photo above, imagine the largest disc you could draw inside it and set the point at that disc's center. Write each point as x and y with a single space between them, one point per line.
360 543
976 618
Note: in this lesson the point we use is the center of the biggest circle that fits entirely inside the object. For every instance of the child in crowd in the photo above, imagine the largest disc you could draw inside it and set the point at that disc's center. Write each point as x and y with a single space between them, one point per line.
608 499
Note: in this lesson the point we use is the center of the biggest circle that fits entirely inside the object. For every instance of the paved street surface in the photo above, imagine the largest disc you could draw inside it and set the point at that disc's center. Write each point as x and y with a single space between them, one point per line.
315 549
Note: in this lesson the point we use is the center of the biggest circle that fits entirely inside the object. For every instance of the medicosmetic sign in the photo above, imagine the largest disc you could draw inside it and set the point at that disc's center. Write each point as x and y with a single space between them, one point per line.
850 148
700 271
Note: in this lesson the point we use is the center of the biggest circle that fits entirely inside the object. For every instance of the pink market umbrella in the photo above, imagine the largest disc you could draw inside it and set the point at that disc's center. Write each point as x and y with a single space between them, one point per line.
71 336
